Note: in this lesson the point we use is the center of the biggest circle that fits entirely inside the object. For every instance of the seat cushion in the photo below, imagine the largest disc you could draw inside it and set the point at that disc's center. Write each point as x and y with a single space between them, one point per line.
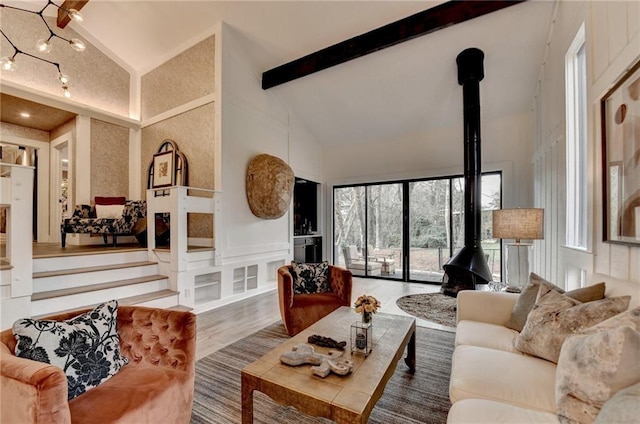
371 265
140 393
483 334
490 412
481 373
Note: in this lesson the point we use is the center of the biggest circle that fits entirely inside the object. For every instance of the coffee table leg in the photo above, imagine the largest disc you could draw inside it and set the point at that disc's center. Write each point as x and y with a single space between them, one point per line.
410 360
247 400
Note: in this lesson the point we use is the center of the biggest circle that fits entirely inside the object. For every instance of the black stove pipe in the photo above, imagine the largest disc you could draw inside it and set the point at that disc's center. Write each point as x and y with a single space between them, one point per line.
471 258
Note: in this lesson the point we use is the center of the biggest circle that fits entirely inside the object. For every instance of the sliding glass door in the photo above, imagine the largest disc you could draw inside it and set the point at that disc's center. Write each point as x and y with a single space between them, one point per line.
384 230
408 230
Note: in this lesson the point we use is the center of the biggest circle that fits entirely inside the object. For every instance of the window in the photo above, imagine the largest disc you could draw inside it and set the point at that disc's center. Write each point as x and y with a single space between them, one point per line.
407 230
576 141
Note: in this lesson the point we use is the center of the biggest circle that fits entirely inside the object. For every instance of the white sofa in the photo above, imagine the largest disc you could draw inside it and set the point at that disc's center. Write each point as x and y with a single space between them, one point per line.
491 381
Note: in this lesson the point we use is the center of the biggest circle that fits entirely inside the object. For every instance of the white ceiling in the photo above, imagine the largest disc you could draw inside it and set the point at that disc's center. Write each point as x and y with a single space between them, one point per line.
404 90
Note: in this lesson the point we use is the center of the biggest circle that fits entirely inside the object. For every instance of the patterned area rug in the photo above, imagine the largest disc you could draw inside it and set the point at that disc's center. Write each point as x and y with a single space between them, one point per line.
434 307
422 397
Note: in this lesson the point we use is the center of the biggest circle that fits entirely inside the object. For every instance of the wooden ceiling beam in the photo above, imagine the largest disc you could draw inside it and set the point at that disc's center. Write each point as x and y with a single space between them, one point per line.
421 23
63 16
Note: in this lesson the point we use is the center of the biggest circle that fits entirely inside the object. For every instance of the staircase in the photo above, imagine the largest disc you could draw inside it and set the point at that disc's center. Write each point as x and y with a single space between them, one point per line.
72 282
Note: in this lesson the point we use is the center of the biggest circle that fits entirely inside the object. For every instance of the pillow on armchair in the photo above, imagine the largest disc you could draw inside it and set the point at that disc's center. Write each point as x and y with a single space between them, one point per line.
309 278
86 347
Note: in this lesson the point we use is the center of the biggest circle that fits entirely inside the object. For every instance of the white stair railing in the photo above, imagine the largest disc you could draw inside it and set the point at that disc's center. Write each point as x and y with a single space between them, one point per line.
16 194
183 258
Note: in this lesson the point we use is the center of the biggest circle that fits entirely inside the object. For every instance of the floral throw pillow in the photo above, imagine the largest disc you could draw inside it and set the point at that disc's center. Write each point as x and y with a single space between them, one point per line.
86 347
310 277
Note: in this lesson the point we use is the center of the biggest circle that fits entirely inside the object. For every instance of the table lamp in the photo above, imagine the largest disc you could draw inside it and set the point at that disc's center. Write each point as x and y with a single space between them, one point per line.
518 224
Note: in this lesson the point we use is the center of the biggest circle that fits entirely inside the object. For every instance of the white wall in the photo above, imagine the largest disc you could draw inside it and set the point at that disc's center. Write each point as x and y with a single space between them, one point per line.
613 44
255 121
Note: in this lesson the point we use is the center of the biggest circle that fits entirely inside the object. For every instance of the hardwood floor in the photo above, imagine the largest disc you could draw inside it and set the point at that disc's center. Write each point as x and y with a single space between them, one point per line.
229 323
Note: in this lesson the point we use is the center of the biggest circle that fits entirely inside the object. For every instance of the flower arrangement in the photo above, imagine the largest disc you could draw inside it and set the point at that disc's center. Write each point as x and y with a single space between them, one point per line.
368 304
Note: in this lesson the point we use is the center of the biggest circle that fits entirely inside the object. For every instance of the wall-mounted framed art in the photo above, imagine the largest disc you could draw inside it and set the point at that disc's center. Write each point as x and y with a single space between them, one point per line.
620 117
163 165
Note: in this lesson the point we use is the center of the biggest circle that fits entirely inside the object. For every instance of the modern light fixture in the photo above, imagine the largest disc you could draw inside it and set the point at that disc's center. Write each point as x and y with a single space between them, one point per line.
43 45
518 224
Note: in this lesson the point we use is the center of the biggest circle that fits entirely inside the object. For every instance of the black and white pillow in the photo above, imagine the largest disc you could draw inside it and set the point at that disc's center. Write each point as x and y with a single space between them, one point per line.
86 347
310 277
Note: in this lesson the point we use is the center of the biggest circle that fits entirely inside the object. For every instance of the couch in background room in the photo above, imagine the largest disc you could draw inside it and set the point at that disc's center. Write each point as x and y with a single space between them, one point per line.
111 219
492 381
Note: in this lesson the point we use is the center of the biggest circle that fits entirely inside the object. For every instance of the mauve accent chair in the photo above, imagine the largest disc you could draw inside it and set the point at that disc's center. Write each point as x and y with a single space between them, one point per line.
299 311
155 387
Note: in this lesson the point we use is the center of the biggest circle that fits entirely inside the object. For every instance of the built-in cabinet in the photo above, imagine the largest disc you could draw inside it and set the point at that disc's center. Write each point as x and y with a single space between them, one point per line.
307 240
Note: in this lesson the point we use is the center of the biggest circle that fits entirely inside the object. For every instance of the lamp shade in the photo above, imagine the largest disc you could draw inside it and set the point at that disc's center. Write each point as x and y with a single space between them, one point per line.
518 224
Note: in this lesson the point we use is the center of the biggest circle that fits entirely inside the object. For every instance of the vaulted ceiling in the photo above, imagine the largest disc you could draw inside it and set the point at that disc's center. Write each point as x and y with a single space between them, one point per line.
403 90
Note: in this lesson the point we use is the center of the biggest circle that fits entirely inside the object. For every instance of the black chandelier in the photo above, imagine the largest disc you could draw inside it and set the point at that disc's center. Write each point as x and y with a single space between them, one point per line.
43 45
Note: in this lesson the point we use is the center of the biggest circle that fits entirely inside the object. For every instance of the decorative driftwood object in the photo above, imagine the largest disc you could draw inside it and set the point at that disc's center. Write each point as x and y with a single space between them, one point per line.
319 340
269 186
323 364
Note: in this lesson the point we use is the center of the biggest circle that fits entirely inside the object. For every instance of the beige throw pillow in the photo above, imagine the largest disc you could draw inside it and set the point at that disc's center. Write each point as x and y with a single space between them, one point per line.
529 294
623 408
595 364
556 316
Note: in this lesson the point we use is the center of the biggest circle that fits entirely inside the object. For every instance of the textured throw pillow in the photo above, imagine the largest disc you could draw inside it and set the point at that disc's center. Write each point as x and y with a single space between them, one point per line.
86 347
529 295
109 211
595 364
99 200
310 277
623 408
556 316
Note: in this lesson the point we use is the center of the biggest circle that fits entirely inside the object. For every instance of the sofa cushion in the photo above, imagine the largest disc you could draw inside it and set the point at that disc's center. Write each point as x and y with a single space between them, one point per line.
310 277
529 295
597 363
481 411
109 211
623 408
483 334
86 347
140 393
482 373
556 316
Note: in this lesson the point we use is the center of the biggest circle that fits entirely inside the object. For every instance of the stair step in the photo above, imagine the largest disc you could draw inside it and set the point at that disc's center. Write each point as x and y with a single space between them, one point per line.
88 269
60 263
94 287
133 300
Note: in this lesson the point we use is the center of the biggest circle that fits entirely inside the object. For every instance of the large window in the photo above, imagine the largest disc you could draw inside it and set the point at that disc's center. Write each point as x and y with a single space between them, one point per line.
408 230
576 141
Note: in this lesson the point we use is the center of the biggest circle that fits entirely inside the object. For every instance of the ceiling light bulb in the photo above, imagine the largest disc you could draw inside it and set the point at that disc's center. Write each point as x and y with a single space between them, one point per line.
77 44
25 114
65 90
64 79
75 15
43 46
8 63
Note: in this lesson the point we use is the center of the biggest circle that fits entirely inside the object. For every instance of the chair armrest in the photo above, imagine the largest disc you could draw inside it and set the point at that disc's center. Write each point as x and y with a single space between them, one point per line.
285 287
341 281
485 306
32 392
160 337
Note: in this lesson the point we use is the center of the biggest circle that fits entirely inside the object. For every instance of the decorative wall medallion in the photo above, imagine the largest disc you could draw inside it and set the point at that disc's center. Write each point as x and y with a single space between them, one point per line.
269 186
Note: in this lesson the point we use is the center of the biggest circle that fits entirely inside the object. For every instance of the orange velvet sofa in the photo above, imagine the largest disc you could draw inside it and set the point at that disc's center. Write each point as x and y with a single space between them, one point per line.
299 311
155 387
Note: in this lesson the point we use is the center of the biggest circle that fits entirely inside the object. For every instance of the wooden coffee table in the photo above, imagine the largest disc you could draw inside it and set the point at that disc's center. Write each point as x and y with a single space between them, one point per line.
346 399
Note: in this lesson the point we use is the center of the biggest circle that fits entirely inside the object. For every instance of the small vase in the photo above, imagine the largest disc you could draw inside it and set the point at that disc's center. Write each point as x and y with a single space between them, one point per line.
367 317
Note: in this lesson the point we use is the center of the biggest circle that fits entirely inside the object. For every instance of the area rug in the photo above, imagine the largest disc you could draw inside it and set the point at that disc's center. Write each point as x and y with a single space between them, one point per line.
434 307
422 397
